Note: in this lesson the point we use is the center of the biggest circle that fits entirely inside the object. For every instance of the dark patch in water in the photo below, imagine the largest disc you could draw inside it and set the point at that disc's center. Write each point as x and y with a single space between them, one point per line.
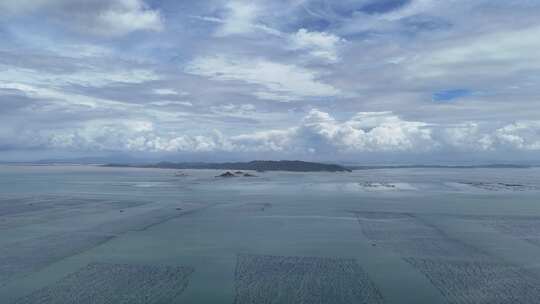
463 274
314 280
100 283
499 186
27 256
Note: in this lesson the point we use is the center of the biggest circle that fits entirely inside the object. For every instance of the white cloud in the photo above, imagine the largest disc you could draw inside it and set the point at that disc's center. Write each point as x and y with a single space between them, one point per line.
317 133
265 141
523 135
234 110
240 19
100 17
466 137
412 8
319 44
52 101
481 56
133 136
164 103
299 82
92 77
367 131
166 91
127 16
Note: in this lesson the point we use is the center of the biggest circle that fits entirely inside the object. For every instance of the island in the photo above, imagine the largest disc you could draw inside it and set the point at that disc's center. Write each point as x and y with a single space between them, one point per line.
226 174
257 165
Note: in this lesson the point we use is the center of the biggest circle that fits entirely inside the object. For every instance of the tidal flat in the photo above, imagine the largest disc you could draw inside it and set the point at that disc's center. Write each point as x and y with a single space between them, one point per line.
88 234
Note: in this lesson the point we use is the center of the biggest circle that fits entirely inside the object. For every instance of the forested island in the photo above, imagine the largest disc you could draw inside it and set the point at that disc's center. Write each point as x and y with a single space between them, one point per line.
258 165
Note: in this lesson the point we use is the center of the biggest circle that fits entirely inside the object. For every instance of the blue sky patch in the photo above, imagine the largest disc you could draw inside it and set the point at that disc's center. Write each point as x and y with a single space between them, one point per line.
449 95
383 6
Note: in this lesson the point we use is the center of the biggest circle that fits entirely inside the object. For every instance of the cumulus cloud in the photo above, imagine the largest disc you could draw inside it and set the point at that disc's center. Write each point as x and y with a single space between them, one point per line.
299 82
466 137
63 86
364 132
130 136
523 135
318 133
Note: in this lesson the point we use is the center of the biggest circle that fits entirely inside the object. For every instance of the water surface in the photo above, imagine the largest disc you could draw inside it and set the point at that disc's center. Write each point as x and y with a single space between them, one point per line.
374 236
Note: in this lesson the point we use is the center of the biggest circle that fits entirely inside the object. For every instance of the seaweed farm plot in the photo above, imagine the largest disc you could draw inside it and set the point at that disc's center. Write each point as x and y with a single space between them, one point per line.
405 235
16 212
100 283
278 279
525 228
499 186
488 282
462 274
26 256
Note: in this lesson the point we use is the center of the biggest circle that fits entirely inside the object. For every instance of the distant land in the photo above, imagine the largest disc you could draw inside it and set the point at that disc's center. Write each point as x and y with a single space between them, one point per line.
261 165
257 165
494 166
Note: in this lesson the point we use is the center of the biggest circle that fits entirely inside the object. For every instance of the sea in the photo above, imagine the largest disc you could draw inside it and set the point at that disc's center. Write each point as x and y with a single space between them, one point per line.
92 234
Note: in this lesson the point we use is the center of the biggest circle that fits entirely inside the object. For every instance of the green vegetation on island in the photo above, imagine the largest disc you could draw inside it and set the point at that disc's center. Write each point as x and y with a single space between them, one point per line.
258 165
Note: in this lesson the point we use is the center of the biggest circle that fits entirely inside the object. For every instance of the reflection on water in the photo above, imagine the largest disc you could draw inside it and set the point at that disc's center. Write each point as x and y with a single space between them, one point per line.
96 235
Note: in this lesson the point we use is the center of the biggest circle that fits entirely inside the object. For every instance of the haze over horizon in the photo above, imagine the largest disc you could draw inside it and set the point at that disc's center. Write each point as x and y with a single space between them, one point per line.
369 80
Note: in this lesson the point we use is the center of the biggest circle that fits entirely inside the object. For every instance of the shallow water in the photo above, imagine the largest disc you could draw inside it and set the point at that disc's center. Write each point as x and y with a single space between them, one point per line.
371 236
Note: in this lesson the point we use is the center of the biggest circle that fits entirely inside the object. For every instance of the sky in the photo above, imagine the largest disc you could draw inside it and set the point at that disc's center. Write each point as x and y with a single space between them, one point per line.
353 81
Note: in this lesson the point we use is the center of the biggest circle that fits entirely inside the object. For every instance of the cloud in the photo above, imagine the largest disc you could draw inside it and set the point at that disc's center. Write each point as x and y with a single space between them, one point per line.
319 44
482 56
268 76
126 17
318 133
412 8
240 18
367 132
165 91
523 135
465 137
130 136
71 71
166 103
88 76
233 110
109 18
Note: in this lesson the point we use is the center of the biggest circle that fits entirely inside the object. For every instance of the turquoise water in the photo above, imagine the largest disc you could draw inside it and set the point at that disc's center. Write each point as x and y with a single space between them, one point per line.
392 235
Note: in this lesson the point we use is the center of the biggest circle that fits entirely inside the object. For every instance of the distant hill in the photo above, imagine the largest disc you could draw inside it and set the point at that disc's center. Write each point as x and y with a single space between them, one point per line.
258 165
493 166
